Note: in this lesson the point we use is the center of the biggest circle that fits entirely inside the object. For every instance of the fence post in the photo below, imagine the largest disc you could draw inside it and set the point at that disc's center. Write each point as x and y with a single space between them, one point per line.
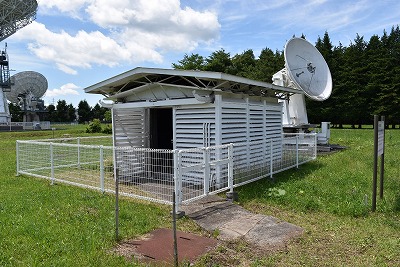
101 169
17 150
206 156
315 146
177 179
52 163
271 160
79 151
297 151
230 167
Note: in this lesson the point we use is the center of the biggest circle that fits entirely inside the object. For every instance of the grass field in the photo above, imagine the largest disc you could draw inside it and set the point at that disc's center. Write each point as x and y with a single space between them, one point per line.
59 225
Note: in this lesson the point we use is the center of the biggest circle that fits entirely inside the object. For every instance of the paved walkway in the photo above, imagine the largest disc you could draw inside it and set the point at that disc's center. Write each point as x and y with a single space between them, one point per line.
231 221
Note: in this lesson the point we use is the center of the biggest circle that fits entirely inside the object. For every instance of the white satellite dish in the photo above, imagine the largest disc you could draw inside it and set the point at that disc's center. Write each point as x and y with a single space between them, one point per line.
306 70
27 89
27 83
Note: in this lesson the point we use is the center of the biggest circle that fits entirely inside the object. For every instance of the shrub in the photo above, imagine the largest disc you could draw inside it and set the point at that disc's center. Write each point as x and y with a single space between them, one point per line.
94 126
107 129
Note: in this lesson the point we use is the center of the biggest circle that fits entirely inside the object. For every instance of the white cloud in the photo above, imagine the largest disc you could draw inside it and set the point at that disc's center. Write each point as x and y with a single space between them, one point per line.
66 89
131 31
71 6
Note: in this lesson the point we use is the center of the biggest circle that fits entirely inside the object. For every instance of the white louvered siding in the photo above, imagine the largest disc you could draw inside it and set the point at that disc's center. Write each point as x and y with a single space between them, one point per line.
129 131
251 127
194 127
129 127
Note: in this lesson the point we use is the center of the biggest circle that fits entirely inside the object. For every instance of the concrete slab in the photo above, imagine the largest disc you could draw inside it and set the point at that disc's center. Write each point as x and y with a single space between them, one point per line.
232 221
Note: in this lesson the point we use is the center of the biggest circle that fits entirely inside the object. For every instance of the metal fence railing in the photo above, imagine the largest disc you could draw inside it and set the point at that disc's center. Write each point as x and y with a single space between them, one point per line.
36 125
154 174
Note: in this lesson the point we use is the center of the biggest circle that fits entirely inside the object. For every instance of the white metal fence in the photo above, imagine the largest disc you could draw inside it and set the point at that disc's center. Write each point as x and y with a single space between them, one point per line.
154 174
36 125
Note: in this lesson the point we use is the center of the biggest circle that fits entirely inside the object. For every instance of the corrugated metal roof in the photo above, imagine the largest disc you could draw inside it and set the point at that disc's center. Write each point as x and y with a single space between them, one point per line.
140 78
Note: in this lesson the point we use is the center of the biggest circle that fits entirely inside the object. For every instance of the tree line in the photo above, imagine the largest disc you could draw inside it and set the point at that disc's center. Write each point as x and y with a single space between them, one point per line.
63 112
365 74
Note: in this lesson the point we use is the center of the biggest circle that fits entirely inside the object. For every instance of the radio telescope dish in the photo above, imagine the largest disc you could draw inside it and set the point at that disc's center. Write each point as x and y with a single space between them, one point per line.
27 83
15 14
307 69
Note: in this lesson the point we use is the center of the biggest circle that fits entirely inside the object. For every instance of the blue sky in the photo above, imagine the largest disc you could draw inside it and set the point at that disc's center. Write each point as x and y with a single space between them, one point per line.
77 43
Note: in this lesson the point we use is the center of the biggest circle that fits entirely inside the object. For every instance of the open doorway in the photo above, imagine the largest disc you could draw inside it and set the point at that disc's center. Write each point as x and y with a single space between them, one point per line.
161 137
161 130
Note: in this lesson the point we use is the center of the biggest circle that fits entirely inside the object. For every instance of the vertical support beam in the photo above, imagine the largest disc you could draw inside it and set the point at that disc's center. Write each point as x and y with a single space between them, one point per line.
218 120
174 128
248 162
218 136
101 168
265 133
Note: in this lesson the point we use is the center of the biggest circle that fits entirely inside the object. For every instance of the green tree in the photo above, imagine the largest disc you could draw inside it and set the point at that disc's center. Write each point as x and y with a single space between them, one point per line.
107 116
192 62
51 113
84 112
387 101
62 111
268 63
219 61
319 111
354 81
243 64
98 112
71 113
16 112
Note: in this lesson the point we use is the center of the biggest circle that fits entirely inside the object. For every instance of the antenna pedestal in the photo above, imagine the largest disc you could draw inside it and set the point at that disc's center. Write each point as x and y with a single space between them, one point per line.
297 110
4 112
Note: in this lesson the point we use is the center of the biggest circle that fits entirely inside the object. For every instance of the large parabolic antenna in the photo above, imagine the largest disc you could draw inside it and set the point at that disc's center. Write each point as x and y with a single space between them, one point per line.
305 69
15 14
308 69
28 88
27 83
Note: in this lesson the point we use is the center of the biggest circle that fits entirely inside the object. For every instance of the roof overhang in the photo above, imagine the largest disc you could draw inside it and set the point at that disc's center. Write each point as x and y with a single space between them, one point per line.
140 78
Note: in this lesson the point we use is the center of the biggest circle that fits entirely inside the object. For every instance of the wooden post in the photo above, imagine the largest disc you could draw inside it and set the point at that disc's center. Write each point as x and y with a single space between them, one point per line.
374 178
382 169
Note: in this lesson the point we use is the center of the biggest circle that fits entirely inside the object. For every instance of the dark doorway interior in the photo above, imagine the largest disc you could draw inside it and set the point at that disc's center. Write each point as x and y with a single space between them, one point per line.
161 130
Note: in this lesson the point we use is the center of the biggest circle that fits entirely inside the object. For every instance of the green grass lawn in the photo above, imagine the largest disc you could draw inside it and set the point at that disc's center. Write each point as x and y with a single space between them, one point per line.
60 225
331 199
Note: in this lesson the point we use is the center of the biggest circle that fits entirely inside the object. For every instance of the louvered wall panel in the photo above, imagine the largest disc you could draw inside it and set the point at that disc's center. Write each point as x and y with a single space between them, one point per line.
190 123
129 127
251 126
194 127
129 131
